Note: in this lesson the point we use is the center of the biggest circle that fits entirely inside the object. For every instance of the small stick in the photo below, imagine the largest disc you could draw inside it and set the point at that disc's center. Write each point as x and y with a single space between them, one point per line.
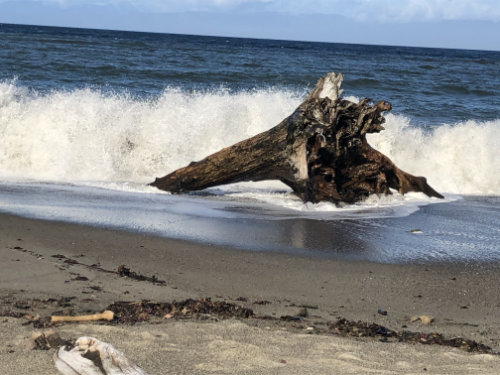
106 315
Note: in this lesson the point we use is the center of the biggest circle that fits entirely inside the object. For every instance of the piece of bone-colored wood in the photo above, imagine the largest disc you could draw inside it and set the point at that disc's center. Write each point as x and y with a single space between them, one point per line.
169 316
90 356
106 315
424 319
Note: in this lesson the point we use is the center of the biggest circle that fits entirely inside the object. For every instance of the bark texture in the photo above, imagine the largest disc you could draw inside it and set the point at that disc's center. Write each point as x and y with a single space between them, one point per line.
320 151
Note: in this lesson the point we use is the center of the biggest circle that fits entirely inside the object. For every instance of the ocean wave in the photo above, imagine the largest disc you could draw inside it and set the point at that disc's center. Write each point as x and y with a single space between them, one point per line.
89 135
461 158
463 90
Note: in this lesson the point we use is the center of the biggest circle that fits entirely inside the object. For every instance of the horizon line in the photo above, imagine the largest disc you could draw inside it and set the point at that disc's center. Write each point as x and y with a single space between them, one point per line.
247 37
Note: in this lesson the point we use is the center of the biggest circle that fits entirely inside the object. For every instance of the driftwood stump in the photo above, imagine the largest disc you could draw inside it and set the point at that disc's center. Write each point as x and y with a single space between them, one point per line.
320 151
89 356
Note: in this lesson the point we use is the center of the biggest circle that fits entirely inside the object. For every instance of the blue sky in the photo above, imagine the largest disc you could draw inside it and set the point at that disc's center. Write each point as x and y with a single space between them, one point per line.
430 23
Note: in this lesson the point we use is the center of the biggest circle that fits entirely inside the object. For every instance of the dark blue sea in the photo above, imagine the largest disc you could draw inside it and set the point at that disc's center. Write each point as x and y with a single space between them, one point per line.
89 117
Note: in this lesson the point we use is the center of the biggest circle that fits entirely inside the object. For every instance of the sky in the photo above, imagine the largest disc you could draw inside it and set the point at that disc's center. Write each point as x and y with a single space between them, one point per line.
465 24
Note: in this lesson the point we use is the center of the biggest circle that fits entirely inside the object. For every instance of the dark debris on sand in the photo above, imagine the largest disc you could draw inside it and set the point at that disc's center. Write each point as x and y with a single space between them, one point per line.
124 271
132 312
47 340
13 307
348 328
205 308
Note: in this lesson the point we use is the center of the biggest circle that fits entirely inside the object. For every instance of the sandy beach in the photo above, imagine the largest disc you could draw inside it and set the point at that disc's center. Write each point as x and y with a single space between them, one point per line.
56 268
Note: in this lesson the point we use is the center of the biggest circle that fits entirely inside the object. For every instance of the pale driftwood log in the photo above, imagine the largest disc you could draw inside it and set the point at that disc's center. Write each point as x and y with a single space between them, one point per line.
320 151
105 315
90 356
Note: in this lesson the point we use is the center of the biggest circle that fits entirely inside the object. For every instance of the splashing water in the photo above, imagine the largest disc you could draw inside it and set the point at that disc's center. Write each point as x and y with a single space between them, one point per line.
86 135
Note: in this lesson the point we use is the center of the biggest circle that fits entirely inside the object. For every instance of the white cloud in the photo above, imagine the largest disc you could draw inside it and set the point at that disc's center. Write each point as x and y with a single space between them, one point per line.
397 10
377 10
430 10
167 6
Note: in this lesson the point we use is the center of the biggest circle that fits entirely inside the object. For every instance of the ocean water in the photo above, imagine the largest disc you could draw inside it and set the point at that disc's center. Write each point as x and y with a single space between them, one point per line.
89 117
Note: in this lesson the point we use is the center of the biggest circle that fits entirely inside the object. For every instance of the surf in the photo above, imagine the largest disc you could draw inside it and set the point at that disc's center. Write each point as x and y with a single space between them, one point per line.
91 136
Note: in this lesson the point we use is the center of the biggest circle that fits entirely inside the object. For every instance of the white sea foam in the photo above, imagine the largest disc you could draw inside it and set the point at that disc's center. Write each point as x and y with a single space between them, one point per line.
461 158
86 135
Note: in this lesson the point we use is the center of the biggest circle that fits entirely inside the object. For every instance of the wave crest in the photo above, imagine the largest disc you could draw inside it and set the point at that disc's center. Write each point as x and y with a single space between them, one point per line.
460 158
88 135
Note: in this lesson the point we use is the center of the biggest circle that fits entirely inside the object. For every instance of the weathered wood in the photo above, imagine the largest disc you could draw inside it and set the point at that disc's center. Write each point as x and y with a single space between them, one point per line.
105 315
320 151
89 356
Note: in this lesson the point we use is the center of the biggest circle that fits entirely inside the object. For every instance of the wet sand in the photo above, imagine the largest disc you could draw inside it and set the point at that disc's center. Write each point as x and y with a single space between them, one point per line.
463 299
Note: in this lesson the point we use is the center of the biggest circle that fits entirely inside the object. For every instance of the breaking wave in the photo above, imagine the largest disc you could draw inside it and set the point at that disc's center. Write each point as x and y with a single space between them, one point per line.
88 135
457 158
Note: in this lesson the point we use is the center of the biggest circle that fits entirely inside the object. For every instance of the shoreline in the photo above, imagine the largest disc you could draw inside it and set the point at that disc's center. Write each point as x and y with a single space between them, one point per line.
462 298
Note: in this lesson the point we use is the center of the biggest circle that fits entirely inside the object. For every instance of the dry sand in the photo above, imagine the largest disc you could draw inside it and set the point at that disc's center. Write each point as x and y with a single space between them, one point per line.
463 299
